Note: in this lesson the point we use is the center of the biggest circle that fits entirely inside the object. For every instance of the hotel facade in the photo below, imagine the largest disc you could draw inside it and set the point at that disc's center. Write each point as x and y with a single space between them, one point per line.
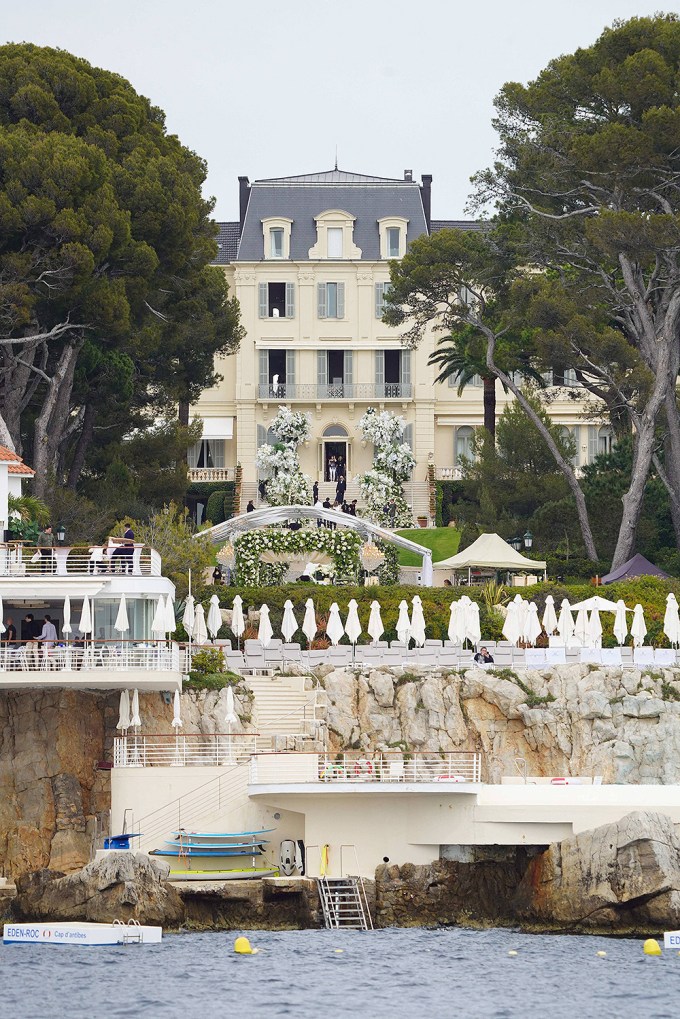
308 261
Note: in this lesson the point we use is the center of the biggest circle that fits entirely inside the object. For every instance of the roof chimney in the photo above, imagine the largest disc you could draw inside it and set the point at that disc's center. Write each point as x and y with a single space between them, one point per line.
426 195
243 195
408 174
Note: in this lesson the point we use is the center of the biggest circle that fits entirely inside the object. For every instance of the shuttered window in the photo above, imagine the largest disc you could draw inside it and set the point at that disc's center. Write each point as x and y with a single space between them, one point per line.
347 368
380 367
321 368
405 368
331 300
290 300
263 294
290 367
381 291
264 367
407 436
592 442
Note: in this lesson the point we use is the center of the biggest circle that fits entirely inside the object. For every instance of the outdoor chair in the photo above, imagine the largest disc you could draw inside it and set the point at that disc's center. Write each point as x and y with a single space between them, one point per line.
503 658
534 656
556 656
643 656
664 656
397 643
611 656
449 659
291 647
590 656
555 641
433 643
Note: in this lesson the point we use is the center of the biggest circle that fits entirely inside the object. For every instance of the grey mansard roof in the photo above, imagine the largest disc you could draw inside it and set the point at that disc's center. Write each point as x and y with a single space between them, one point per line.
227 240
302 198
456 224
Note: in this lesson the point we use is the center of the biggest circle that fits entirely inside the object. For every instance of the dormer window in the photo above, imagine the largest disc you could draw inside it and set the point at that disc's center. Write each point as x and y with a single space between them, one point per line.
334 236
392 236
276 235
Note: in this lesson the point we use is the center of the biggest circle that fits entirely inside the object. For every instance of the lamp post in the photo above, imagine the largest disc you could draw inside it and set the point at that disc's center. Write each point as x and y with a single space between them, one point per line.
61 533
515 543
528 540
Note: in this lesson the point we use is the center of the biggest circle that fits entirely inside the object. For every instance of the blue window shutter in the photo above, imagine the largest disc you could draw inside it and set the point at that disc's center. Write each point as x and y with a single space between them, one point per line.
321 368
290 300
290 367
405 368
341 300
380 367
321 300
264 367
263 302
592 443
379 300
348 364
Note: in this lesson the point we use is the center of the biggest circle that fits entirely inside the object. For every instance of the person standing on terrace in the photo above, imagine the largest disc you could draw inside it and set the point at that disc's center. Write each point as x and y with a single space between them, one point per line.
45 546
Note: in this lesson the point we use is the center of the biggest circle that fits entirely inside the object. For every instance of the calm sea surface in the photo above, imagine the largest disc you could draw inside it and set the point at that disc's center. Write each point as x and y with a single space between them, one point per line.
390 974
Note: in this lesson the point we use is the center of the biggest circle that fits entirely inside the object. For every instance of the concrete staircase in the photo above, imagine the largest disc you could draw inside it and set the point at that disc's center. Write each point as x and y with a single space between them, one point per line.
284 711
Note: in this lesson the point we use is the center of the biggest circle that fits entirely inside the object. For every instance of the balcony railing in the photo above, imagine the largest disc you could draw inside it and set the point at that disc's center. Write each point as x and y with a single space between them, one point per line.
211 474
355 766
18 559
81 656
449 474
190 750
336 391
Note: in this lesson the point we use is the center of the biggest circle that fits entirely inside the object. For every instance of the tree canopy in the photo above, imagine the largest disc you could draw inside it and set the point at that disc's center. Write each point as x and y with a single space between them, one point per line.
109 307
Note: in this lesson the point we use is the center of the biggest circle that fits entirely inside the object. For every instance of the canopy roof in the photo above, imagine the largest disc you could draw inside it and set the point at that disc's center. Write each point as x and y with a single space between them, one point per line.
491 551
271 515
599 603
638 566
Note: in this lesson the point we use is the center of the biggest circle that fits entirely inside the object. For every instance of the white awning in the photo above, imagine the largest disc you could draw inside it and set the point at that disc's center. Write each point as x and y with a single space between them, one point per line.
52 588
216 427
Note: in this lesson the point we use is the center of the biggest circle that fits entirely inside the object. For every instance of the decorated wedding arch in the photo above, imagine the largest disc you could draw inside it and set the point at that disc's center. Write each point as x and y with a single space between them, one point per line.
263 537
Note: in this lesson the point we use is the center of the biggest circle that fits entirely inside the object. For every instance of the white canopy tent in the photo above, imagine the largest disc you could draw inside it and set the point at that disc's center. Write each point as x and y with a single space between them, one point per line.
269 516
492 552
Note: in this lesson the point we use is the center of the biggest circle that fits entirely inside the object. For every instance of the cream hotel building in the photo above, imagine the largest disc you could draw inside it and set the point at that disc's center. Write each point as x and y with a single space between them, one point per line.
308 261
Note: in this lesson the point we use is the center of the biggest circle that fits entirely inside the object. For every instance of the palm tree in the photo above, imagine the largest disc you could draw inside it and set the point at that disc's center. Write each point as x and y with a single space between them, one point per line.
28 507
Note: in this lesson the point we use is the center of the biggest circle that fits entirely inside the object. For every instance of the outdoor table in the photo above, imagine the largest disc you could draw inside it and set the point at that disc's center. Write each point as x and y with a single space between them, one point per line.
60 553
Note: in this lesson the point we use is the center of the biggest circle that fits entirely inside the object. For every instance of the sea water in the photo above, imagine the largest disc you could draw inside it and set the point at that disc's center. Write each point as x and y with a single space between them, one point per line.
416 974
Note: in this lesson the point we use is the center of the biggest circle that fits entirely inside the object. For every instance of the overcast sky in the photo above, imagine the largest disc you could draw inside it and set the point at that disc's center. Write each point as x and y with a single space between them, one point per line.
267 88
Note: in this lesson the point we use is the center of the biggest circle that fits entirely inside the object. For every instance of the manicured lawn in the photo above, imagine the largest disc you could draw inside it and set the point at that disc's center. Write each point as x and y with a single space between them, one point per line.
442 540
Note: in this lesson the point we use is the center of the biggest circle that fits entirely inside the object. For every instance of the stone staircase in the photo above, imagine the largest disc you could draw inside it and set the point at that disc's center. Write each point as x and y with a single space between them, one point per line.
284 710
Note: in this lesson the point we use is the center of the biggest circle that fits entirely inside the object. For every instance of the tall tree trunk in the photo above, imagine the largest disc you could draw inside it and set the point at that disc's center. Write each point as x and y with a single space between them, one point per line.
48 425
672 458
82 446
490 404
183 413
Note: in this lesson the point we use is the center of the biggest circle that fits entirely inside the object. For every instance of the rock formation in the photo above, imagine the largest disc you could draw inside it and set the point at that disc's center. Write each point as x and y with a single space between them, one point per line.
120 886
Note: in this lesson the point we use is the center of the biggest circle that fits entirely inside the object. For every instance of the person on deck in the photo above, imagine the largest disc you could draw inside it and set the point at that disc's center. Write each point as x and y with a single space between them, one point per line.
45 546
124 552
483 657
9 637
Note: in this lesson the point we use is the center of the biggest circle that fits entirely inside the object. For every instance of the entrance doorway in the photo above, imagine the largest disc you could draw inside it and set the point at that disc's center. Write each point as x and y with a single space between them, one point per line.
335 453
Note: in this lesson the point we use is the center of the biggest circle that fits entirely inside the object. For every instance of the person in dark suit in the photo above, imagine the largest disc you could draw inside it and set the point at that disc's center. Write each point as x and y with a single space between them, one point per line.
340 489
315 492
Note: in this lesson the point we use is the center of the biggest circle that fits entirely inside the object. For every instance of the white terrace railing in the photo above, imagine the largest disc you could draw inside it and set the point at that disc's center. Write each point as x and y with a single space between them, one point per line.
18 559
355 766
185 750
123 656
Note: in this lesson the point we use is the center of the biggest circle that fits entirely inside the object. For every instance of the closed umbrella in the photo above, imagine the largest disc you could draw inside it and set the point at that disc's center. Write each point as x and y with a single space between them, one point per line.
594 629
135 720
66 625
620 622
289 625
189 616
309 627
375 623
472 626
581 627
522 612
671 620
214 617
454 623
565 623
124 711
238 623
85 624
2 625
170 621
353 623
334 628
122 624
264 630
159 621
177 711
549 615
230 717
512 630
418 622
532 625
200 634
403 623
638 627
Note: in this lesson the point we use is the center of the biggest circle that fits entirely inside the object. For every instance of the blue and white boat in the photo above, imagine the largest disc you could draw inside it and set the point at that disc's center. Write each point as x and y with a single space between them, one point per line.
84 934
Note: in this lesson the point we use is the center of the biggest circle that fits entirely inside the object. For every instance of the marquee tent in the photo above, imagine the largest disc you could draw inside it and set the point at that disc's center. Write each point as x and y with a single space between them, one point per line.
638 566
490 551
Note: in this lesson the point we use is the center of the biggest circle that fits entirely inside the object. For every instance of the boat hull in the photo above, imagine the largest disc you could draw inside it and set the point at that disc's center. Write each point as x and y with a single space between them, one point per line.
84 934
222 875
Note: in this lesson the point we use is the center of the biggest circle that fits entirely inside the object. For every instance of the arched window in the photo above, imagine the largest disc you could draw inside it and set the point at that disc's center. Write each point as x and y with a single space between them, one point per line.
407 436
605 439
463 444
266 435
335 431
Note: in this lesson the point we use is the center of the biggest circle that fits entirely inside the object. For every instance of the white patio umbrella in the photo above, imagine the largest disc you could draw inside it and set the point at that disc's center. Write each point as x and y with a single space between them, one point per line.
170 621
638 627
289 625
565 623
596 602
549 615
532 625
264 630
594 629
85 624
375 628
581 627
200 634
124 711
230 717
177 712
189 615
122 624
135 720
512 629
238 623
417 622
403 623
309 622
334 628
66 625
454 623
473 630
522 611
620 622
2 625
158 622
214 616
353 623
671 620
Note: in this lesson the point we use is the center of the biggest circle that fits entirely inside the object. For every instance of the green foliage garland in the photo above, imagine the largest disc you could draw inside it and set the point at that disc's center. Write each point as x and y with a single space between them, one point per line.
342 545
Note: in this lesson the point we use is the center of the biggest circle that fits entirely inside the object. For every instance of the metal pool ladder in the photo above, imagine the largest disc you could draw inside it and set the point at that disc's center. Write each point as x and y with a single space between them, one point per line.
344 903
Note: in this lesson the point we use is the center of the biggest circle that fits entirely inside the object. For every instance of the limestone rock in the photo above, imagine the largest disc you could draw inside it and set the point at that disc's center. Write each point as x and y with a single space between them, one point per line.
621 874
120 886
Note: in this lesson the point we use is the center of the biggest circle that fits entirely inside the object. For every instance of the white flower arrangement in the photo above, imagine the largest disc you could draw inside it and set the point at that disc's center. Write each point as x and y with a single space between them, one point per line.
342 545
292 427
393 463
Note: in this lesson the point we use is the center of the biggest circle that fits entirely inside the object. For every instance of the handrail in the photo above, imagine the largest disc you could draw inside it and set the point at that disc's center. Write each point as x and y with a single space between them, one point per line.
136 558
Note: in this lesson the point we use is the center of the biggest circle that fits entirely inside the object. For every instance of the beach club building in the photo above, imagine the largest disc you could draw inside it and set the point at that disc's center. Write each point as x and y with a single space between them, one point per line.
308 260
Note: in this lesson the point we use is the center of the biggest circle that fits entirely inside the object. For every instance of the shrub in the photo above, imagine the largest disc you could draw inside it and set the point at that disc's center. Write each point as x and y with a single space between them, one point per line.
208 662
214 510
212 680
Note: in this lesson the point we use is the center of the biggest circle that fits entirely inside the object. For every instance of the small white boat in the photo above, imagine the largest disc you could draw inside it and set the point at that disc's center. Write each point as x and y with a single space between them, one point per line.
76 933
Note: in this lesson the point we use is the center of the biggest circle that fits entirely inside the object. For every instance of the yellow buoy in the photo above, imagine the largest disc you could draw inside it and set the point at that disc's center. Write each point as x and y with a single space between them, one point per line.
242 947
602 955
512 952
339 951
651 947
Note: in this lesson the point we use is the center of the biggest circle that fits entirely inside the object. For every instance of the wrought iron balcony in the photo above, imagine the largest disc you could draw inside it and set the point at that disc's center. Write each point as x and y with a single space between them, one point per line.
351 391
